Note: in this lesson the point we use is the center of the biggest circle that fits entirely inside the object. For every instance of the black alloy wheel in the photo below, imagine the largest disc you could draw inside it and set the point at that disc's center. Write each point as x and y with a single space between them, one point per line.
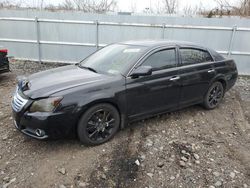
214 95
98 124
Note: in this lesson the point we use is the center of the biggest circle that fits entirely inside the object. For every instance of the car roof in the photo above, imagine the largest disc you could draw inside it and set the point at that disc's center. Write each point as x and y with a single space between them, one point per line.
155 43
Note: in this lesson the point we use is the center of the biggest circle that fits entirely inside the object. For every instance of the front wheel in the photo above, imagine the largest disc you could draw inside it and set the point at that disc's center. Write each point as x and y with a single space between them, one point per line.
214 95
98 124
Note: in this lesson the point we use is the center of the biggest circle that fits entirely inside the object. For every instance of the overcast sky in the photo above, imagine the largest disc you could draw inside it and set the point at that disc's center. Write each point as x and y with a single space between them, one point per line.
125 5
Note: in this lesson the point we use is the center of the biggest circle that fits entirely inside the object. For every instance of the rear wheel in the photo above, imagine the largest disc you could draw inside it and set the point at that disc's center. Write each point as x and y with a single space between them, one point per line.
98 124
214 95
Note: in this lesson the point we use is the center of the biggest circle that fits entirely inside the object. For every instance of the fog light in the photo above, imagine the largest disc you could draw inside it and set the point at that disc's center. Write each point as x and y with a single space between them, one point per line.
39 132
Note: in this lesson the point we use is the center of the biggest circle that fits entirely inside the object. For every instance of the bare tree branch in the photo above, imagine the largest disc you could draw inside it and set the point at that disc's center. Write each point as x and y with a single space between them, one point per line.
171 6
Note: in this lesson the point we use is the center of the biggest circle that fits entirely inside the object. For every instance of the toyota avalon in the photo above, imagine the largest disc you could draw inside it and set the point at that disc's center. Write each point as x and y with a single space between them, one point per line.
118 84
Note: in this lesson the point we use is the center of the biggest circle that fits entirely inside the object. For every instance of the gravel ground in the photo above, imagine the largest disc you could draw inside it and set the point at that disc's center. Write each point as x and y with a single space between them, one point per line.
188 148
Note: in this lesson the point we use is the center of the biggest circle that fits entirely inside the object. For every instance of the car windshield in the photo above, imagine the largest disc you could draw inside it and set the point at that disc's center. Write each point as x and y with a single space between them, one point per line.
113 59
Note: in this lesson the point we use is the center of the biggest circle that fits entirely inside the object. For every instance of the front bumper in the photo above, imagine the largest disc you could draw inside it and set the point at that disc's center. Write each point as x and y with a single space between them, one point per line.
44 125
41 125
30 132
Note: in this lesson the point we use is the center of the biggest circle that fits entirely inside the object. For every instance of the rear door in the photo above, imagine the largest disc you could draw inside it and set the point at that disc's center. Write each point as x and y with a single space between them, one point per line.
157 92
196 72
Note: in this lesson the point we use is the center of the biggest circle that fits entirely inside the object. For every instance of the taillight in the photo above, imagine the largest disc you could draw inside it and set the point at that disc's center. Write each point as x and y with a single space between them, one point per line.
4 51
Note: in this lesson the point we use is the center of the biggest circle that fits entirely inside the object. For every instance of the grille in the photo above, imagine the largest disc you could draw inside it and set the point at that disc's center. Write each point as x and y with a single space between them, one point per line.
18 102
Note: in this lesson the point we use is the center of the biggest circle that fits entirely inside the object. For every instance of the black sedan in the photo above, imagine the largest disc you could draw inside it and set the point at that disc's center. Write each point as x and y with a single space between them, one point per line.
118 84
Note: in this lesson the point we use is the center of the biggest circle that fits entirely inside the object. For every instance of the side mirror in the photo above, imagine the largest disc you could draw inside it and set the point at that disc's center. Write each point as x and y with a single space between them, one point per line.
141 71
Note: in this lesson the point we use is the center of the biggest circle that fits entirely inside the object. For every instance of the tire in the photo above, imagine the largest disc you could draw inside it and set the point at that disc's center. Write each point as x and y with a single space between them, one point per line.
214 96
98 124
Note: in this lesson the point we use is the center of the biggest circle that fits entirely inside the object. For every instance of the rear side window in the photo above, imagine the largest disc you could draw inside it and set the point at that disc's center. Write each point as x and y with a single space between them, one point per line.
216 55
162 59
191 56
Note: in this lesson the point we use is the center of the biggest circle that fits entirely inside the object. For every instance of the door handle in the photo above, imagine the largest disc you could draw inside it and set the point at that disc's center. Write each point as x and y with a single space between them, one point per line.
211 71
174 78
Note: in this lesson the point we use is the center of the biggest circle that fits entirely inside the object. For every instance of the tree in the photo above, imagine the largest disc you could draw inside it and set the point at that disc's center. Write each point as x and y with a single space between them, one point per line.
96 6
171 6
165 7
241 8
67 5
190 11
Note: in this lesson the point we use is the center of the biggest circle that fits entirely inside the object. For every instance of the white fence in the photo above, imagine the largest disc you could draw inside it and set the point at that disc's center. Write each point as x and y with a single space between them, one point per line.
48 38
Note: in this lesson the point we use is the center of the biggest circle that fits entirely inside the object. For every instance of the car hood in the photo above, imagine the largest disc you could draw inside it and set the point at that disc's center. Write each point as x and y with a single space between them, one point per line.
46 83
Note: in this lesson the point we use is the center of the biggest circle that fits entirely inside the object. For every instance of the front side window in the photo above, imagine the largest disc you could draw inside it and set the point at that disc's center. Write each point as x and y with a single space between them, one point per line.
191 56
161 60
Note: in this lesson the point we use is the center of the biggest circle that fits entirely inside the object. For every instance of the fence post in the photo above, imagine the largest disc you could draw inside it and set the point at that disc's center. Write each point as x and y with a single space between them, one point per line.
97 34
163 31
234 29
38 39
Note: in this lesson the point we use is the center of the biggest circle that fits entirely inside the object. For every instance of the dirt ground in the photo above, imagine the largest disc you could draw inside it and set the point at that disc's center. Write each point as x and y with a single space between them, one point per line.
189 148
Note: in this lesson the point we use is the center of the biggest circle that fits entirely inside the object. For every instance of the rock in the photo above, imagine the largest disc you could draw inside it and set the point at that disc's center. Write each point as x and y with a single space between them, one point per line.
103 176
196 156
191 121
209 170
211 186
143 157
217 174
137 162
83 184
6 179
182 164
149 143
10 182
160 164
62 171
62 186
105 168
218 184
184 159
232 175
150 175
172 178
237 172
197 162
5 137
183 152
245 185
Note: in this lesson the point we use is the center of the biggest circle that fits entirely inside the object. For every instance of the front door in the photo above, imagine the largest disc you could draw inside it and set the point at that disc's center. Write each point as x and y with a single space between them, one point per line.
157 92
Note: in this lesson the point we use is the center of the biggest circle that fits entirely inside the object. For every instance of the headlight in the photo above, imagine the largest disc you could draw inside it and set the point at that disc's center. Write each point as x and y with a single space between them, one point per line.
45 105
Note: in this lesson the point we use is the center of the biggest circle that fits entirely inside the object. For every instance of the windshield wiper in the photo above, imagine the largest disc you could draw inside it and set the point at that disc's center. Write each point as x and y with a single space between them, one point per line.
89 68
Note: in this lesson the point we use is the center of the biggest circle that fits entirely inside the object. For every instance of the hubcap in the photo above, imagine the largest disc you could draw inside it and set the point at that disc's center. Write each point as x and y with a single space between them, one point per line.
100 125
215 95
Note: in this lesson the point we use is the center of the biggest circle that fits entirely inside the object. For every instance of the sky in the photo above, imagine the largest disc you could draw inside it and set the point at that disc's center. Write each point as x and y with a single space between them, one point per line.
125 5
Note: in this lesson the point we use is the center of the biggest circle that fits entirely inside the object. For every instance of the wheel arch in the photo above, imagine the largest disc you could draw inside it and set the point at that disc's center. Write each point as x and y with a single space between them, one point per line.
85 107
221 79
